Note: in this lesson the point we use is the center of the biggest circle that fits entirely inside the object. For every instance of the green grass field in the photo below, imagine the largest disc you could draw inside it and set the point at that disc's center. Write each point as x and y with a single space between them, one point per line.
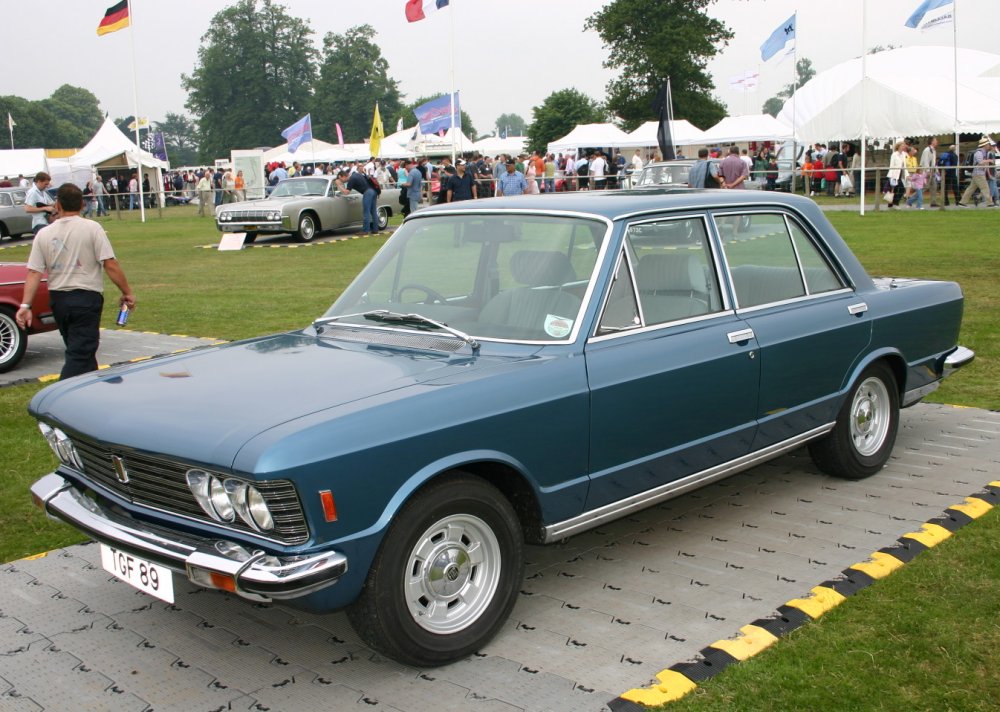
925 638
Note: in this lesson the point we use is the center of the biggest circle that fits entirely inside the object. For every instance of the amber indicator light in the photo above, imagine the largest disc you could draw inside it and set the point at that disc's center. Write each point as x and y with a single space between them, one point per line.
329 506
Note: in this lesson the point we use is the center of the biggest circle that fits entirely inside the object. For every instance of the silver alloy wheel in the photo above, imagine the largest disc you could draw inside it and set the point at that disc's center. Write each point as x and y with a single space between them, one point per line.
307 228
383 219
871 412
10 338
452 574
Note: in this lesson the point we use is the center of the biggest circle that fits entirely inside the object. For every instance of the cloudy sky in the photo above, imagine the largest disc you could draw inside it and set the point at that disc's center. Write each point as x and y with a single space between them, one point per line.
510 55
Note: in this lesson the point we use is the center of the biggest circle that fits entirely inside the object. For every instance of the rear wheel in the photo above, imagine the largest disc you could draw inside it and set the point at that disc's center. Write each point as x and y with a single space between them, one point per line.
13 340
383 218
307 228
862 440
446 575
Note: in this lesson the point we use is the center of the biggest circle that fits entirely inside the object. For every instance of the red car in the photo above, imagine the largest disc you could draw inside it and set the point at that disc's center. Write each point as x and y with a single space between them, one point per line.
14 340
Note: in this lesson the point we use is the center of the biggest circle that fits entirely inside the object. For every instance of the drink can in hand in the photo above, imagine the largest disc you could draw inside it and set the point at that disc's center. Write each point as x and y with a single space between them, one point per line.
122 315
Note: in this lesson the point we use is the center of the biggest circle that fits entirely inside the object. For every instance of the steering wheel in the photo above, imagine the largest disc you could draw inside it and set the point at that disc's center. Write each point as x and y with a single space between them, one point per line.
431 296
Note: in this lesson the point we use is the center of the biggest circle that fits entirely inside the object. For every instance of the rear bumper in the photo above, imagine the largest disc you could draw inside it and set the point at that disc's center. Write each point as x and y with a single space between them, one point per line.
211 563
958 357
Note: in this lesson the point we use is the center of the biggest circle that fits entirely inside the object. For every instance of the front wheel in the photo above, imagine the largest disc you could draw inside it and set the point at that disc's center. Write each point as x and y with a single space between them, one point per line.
307 228
862 439
13 340
446 575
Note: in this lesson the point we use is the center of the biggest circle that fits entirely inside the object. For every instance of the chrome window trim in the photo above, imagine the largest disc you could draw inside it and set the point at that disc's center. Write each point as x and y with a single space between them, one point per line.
614 510
837 269
794 300
660 327
588 293
622 255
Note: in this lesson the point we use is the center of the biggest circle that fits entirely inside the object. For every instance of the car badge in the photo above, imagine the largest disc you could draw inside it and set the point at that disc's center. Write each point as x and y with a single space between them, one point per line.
120 472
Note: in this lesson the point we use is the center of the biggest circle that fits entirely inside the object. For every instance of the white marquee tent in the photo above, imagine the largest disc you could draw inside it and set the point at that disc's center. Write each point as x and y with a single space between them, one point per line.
22 161
494 145
682 131
897 99
590 136
750 127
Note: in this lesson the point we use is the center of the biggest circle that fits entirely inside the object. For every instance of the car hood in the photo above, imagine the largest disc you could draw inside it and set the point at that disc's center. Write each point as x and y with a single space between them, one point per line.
202 406
268 203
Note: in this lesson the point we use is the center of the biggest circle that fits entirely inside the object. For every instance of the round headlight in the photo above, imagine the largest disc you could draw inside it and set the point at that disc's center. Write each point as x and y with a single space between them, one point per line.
220 501
259 512
200 483
61 445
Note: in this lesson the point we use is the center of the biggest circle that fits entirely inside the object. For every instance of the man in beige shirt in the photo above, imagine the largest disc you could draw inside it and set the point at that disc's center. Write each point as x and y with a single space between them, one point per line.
75 252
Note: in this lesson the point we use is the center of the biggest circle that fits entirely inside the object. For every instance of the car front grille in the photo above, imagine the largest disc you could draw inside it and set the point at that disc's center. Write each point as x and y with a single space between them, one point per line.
161 484
250 216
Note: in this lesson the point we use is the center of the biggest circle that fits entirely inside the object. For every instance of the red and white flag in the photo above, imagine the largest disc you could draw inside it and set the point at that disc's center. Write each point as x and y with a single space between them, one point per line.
417 10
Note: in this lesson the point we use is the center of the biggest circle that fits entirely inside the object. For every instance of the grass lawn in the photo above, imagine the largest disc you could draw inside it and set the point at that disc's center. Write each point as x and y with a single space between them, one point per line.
925 638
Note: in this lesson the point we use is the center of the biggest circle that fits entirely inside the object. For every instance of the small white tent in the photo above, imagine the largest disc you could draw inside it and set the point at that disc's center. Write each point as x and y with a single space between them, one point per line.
590 136
22 161
682 131
494 145
110 150
910 91
750 127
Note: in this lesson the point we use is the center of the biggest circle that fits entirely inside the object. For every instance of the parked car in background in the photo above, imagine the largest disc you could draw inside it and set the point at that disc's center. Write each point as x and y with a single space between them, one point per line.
14 221
502 372
303 207
13 339
675 174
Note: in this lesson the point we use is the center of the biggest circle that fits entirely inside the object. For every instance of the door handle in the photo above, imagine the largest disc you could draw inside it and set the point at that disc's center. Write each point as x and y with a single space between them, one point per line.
857 309
739 337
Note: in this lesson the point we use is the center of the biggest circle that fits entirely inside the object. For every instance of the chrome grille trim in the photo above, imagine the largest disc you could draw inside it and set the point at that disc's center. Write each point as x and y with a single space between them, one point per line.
382 337
159 483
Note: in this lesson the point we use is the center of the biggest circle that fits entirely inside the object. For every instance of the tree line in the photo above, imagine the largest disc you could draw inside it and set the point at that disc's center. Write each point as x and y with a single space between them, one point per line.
258 70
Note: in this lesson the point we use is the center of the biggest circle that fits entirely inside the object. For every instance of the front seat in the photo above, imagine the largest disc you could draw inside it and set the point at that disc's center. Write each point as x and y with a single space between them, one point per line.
526 311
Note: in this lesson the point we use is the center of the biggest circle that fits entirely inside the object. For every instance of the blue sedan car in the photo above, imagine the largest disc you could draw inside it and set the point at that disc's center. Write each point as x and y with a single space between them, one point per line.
504 371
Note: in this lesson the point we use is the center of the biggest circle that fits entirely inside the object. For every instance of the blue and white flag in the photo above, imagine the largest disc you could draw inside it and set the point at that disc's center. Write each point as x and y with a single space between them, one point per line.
434 116
778 39
919 21
298 133
156 144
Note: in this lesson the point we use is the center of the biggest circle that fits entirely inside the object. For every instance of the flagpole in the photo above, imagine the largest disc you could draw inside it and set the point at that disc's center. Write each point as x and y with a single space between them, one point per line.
954 49
135 111
451 14
864 107
795 101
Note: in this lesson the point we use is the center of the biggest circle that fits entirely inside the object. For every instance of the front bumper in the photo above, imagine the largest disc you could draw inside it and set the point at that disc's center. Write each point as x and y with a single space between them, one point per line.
211 563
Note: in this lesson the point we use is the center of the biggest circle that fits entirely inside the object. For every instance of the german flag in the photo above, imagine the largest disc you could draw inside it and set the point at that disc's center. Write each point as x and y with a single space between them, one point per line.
116 18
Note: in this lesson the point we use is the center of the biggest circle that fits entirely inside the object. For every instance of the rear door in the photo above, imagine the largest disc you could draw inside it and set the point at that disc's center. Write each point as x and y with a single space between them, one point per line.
672 370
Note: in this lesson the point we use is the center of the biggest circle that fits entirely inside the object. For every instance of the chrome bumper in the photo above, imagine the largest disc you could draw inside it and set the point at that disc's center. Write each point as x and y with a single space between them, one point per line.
959 357
205 562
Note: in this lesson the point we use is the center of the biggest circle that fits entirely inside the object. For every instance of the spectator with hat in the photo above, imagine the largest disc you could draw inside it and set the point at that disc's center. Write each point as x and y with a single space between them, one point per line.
512 182
981 166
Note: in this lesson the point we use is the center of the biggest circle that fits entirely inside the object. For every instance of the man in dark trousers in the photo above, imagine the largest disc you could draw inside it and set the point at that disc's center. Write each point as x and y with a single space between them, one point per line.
358 181
73 251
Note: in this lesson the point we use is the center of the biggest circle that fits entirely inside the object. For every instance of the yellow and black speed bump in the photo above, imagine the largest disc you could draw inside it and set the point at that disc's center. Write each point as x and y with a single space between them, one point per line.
296 245
680 679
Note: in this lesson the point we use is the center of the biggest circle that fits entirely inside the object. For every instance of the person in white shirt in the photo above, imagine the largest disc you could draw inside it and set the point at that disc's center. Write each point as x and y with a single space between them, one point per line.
598 169
637 161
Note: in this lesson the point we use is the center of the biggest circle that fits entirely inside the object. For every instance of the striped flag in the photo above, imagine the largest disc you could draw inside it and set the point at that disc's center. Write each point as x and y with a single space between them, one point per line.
116 18
298 133
417 10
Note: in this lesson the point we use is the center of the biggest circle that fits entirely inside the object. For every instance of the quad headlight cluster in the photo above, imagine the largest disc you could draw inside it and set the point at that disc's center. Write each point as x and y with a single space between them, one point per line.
62 446
273 216
224 499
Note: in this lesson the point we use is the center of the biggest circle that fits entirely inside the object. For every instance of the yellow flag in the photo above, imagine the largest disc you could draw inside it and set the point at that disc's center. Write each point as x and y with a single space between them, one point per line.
378 133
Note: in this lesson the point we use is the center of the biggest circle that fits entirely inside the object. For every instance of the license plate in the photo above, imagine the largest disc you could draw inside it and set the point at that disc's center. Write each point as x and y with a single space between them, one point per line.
146 576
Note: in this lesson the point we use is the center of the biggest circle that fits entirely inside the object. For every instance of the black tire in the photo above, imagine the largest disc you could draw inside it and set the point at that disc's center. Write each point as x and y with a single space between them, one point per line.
250 238
13 340
446 575
308 227
862 440
383 218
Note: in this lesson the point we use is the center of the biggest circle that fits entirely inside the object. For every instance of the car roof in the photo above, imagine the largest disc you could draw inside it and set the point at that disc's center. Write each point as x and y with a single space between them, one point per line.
615 204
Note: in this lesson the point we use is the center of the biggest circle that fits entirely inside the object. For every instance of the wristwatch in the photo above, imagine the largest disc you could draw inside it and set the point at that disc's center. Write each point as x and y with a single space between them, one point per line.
26 306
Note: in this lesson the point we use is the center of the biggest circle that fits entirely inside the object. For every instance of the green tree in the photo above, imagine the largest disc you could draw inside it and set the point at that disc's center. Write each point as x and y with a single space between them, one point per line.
253 77
353 76
67 119
805 72
511 125
651 41
409 118
558 114
181 137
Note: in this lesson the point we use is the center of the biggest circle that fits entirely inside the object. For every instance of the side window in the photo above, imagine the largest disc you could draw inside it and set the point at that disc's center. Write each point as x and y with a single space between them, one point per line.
819 275
761 258
5 200
672 271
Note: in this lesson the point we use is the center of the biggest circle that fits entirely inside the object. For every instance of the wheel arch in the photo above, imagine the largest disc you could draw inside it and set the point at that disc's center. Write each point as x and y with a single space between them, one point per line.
501 471
892 358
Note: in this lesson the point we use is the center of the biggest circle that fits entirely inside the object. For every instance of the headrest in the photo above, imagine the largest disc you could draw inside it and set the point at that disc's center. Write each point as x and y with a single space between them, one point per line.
678 272
536 268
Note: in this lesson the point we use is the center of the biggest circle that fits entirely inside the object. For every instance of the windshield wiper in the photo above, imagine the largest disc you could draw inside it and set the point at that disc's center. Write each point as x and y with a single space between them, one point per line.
389 317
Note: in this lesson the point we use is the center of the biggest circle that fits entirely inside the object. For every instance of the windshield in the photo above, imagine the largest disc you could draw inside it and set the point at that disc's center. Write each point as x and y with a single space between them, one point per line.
665 175
511 276
300 186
